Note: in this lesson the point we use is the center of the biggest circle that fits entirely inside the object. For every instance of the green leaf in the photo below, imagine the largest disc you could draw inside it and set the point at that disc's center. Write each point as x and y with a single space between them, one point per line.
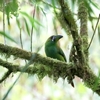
94 4
7 36
99 32
11 8
73 2
31 19
42 11
27 27
18 23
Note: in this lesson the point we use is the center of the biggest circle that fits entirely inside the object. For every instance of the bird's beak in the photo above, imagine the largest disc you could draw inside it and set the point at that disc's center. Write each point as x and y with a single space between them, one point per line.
58 37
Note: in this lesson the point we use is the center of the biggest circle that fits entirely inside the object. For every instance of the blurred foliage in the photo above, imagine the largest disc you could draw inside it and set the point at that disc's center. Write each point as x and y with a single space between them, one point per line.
10 7
99 32
19 16
7 36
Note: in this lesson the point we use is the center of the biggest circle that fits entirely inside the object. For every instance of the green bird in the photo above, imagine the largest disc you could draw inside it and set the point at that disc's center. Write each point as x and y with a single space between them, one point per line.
53 50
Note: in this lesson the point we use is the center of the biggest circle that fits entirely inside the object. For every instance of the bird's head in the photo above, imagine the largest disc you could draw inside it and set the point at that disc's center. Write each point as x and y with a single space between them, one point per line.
53 39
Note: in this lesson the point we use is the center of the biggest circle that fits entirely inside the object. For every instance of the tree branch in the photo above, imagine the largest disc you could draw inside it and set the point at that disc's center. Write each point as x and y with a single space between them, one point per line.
43 66
48 66
83 70
82 14
5 76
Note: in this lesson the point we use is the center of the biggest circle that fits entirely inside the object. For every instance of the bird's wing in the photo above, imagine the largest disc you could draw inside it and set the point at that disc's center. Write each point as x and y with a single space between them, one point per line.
62 53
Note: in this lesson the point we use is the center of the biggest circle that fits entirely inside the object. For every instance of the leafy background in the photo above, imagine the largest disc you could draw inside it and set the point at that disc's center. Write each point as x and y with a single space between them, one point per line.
35 19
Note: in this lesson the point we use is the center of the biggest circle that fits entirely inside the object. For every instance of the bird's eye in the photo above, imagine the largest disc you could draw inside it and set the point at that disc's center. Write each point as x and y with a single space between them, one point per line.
53 38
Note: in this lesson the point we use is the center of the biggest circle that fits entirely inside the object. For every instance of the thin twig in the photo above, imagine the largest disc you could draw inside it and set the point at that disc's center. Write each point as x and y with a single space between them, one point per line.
4 20
32 30
46 3
21 39
94 32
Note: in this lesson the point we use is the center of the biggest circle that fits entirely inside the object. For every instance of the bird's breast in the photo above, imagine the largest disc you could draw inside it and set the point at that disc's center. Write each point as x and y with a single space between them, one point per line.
51 51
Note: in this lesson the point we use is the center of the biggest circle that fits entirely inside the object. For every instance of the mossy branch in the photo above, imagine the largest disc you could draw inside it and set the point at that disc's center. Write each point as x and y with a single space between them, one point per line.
82 15
43 66
78 52
5 76
70 22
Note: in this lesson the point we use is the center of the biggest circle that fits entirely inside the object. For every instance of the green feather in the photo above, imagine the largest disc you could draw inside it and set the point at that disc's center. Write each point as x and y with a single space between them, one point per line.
53 50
